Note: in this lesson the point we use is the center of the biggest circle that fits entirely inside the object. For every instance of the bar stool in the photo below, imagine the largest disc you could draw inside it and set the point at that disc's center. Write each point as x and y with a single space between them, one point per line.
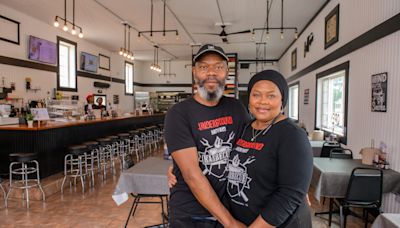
104 154
124 150
24 164
93 159
114 150
2 189
76 160
135 144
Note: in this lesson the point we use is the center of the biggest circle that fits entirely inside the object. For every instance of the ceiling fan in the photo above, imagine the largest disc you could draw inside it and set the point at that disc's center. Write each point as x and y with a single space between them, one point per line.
223 34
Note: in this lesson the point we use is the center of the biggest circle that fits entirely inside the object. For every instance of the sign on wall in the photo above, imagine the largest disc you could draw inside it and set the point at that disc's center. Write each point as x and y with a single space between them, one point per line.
379 92
306 96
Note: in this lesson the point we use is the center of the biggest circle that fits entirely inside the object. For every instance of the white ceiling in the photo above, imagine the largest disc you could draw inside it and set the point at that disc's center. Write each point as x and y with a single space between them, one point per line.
101 23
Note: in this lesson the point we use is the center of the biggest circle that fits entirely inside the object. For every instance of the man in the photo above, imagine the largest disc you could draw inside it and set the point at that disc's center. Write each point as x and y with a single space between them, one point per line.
200 132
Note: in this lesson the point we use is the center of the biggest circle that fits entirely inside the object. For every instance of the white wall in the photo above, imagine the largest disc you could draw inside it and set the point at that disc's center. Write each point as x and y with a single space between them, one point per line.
380 56
47 80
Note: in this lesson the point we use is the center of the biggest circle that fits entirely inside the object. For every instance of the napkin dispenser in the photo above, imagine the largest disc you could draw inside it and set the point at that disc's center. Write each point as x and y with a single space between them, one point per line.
368 155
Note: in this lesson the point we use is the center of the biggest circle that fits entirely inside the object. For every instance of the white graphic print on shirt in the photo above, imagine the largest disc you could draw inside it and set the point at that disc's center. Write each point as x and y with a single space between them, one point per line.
238 179
216 155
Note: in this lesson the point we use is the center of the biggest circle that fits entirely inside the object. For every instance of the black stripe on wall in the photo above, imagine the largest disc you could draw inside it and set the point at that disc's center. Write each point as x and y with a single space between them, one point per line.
162 85
384 29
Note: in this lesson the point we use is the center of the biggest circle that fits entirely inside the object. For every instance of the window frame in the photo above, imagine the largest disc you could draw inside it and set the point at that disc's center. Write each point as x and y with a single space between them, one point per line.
298 101
125 77
344 66
59 87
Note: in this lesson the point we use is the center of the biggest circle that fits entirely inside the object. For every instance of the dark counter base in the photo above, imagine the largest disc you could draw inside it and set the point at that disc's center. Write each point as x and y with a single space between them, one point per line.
51 145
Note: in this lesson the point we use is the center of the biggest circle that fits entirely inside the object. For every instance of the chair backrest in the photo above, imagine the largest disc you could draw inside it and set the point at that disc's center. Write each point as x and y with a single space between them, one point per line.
327 147
341 153
365 187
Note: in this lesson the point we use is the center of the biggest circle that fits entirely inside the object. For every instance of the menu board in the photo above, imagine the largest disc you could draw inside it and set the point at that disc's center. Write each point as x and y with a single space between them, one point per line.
231 86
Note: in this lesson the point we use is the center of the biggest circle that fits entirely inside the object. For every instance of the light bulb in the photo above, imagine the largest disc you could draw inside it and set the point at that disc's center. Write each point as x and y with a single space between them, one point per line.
296 35
125 54
282 35
56 24
132 58
65 28
73 32
178 37
164 38
152 67
80 35
120 52
267 34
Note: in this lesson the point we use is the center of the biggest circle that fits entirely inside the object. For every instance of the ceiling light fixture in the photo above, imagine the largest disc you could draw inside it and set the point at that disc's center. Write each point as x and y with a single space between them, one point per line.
68 23
155 65
126 50
164 31
282 28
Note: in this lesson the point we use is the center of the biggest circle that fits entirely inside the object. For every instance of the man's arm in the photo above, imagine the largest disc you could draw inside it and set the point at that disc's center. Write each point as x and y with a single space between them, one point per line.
188 163
260 223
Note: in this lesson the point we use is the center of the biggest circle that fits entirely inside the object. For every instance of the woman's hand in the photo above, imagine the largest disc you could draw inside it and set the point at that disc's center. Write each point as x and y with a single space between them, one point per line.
171 177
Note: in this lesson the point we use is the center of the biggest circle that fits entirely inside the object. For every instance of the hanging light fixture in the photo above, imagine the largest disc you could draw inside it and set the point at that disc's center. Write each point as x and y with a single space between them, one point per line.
67 24
126 50
155 65
163 31
282 28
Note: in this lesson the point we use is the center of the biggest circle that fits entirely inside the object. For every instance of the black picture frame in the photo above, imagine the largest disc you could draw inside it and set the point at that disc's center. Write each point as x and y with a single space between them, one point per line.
294 59
306 96
104 62
379 84
332 27
6 31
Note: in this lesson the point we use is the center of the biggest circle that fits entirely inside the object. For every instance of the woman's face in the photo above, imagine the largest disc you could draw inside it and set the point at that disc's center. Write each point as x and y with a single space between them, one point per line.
265 101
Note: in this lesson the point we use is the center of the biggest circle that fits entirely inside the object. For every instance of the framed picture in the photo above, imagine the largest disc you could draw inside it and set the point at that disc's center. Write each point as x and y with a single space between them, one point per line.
379 92
9 31
332 27
306 96
88 62
294 59
104 62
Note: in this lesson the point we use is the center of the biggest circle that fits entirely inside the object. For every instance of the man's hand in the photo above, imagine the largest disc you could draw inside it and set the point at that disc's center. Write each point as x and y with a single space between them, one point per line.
171 177
236 224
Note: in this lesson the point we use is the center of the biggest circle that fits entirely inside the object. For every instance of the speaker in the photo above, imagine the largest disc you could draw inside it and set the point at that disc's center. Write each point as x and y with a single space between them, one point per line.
244 65
101 85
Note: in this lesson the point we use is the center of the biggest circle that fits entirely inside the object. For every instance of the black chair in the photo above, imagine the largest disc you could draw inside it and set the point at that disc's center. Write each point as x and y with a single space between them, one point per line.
327 147
341 153
364 191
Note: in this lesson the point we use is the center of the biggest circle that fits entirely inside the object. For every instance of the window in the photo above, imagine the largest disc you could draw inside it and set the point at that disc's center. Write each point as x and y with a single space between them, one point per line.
331 101
128 78
294 101
66 78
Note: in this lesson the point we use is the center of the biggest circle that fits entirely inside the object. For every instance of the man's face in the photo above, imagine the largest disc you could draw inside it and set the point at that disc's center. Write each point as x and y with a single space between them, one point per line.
210 73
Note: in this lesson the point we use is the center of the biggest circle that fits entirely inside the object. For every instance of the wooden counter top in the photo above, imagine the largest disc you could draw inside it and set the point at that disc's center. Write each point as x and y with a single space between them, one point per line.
52 125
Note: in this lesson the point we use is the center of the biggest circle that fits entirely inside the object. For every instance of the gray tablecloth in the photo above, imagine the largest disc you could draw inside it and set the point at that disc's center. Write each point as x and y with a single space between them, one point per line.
316 147
387 220
146 177
331 176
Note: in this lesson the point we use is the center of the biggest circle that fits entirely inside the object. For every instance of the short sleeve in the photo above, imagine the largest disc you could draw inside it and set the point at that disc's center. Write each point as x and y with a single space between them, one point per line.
177 130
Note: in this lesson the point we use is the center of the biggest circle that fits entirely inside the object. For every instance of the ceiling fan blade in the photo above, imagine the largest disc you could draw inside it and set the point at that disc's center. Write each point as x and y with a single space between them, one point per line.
206 33
240 32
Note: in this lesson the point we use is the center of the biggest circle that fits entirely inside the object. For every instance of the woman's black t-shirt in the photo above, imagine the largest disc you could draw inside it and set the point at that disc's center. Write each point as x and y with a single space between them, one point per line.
269 176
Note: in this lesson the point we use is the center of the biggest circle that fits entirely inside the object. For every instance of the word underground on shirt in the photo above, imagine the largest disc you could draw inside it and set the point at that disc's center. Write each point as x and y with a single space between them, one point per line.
250 145
226 120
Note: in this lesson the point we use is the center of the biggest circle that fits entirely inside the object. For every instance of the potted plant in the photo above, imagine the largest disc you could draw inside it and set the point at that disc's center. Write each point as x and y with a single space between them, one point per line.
29 118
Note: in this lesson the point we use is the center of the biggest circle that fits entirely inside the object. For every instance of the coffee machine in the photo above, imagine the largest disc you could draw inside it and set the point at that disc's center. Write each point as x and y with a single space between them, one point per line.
5 110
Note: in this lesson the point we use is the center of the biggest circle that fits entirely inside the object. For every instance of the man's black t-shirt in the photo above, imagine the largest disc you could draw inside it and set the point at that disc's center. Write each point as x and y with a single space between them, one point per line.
213 131
269 176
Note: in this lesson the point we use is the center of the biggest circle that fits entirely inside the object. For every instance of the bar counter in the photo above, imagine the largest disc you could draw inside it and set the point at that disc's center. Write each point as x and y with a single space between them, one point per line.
51 141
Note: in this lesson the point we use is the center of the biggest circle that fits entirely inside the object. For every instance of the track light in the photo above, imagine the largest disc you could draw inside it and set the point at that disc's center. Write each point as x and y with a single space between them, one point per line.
56 24
68 23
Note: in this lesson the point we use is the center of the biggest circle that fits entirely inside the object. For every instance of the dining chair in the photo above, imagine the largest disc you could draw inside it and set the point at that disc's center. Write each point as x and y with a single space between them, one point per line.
327 147
363 191
341 153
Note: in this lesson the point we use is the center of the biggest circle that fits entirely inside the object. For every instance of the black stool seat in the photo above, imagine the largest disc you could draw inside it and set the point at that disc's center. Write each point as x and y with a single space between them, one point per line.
104 141
22 157
91 145
77 149
123 135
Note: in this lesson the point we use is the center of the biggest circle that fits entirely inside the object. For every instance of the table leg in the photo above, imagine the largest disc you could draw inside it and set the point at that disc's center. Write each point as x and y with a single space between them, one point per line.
134 205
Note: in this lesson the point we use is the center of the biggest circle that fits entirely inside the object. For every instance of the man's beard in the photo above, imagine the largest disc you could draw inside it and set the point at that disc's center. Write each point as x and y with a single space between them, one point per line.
211 95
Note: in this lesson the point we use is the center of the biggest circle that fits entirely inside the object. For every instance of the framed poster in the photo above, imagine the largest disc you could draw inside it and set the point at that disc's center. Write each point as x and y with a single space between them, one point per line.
379 92
9 31
294 59
332 27
104 62
306 96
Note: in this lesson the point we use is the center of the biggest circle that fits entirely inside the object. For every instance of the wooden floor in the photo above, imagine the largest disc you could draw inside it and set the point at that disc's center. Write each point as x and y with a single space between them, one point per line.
96 208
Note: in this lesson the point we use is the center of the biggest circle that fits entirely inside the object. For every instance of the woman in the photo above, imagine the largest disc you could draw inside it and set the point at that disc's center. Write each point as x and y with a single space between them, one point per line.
270 167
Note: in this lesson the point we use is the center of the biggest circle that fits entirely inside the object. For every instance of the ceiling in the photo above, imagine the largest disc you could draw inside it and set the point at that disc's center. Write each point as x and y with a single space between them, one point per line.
101 23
